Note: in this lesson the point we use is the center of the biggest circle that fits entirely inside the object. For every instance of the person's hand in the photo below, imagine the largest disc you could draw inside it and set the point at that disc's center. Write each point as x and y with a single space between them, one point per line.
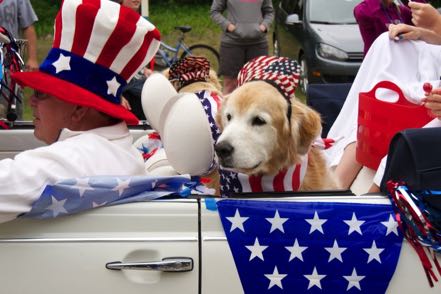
403 31
231 27
125 103
424 15
31 65
262 28
433 103
147 72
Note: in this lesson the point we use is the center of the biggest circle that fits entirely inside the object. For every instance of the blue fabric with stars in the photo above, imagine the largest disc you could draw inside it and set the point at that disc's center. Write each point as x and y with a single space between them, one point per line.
311 247
80 194
77 70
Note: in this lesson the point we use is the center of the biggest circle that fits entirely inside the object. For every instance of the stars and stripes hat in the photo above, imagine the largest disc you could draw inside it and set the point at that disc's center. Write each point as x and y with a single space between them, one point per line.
190 69
281 72
98 47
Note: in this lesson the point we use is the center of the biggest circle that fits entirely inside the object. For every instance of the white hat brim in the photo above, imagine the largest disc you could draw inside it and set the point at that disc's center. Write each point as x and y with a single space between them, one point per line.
156 93
187 136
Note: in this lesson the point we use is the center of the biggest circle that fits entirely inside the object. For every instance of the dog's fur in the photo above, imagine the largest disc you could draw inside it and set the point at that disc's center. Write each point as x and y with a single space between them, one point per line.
254 122
212 84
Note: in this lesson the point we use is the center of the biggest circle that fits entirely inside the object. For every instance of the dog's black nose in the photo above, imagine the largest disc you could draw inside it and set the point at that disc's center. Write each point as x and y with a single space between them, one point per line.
224 150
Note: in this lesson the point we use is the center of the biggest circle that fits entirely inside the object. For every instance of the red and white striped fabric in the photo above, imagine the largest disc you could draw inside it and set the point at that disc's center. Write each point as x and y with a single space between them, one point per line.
286 180
281 72
190 69
98 47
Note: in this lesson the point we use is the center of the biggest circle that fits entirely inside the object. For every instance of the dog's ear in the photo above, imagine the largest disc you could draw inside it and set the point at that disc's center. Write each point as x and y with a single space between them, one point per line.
166 72
306 122
219 113
214 80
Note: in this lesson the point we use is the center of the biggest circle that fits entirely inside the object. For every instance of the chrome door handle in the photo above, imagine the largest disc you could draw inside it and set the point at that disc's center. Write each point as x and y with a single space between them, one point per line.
169 264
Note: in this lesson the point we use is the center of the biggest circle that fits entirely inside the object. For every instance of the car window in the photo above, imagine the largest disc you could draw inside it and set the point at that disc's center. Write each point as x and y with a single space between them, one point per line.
332 12
292 7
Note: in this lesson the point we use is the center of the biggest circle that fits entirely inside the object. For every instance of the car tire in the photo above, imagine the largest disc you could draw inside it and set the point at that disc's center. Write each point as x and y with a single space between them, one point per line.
304 74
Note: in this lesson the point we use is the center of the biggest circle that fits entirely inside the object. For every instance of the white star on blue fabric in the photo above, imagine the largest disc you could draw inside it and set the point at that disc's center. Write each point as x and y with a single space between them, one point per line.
296 250
237 221
256 250
374 252
83 185
277 222
121 186
391 225
335 252
62 63
354 224
354 280
275 278
314 279
57 207
112 87
316 223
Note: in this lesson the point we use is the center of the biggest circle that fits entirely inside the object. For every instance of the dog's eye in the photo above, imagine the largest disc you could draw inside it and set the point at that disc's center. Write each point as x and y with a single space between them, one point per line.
228 117
258 121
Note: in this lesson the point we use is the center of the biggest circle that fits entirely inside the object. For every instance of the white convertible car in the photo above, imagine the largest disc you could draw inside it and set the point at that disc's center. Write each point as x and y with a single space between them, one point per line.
180 246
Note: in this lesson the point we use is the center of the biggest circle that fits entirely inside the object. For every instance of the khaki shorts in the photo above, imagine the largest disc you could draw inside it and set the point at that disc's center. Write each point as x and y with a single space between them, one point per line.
234 57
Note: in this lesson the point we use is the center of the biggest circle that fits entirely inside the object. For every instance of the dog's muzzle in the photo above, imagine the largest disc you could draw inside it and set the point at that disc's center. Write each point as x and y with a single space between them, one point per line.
224 151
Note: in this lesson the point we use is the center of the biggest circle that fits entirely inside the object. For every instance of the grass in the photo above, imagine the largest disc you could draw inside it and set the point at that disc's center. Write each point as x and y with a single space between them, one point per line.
167 17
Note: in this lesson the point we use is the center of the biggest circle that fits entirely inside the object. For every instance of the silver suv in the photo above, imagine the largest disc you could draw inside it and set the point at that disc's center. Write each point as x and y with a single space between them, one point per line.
323 36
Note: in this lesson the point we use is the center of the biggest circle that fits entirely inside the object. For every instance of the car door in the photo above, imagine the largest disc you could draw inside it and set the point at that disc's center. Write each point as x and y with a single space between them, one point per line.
100 251
289 34
70 254
219 273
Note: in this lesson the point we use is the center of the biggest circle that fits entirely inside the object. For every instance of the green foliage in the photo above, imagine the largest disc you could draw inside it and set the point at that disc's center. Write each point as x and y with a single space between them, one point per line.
46 11
166 17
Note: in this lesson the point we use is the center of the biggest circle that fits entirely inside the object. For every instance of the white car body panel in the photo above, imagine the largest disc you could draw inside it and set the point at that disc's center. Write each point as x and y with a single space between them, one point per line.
68 254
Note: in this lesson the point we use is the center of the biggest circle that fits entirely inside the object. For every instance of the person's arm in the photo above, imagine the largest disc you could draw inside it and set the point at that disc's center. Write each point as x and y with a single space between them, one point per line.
268 15
407 32
365 24
216 13
31 36
425 16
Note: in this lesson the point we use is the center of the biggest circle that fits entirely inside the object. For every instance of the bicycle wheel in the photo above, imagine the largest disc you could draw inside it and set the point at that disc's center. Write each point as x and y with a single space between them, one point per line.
205 51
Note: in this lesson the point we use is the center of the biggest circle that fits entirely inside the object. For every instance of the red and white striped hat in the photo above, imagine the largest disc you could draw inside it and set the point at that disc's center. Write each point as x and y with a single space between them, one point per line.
98 47
282 72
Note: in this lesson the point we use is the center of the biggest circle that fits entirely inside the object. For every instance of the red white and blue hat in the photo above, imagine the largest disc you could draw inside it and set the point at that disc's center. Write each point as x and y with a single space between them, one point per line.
281 72
98 47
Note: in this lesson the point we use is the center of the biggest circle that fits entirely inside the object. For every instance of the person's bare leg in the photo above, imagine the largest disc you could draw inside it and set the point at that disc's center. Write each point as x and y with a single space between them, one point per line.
348 168
230 84
374 189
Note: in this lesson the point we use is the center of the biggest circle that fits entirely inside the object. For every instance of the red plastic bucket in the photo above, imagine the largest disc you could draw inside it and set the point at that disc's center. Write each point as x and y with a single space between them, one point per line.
379 121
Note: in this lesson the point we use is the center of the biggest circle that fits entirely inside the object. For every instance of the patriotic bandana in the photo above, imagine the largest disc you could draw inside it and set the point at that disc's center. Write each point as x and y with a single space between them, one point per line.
190 69
281 72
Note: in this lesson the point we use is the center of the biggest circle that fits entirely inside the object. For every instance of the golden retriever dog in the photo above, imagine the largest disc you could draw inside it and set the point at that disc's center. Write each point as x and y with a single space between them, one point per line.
260 136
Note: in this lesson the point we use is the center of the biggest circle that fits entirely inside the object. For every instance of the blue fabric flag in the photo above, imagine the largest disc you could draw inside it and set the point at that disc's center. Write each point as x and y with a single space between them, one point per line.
80 194
311 247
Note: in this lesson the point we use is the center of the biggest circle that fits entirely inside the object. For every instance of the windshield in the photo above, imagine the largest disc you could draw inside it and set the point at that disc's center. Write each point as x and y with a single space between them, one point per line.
332 11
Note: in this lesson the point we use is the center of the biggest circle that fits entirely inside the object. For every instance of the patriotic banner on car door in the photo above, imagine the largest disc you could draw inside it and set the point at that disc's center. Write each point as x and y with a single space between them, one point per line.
311 247
75 195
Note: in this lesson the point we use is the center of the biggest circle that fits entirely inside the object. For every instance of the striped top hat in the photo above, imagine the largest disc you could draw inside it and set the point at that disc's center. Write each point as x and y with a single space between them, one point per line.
98 47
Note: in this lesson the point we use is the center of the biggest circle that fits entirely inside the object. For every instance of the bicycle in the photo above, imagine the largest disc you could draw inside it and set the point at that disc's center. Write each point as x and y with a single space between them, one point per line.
10 61
167 55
